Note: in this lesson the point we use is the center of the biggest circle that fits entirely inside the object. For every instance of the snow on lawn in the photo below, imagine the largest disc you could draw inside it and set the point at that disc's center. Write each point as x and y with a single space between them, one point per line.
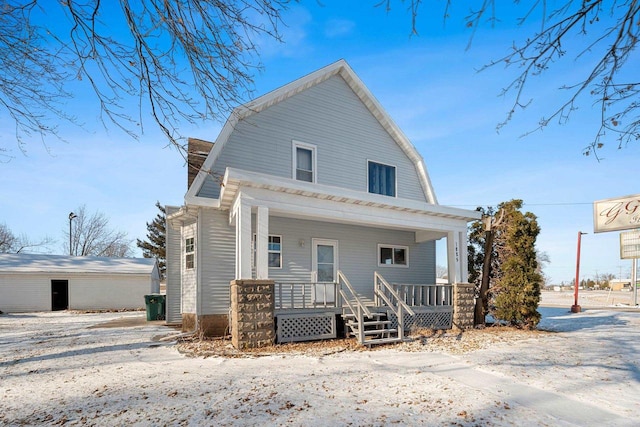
60 369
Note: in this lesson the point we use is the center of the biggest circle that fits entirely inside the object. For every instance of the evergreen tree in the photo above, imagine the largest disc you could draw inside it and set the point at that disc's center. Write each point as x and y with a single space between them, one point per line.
517 288
155 246
515 280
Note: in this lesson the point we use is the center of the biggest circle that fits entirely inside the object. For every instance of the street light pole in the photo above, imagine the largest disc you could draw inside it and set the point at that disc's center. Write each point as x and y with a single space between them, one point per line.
71 216
575 308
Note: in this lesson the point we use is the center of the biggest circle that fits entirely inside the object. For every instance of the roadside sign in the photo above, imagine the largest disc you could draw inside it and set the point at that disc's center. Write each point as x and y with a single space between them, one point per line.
622 213
630 244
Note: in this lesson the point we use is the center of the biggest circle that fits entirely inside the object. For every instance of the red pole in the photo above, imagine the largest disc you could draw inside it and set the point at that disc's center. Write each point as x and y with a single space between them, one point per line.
575 308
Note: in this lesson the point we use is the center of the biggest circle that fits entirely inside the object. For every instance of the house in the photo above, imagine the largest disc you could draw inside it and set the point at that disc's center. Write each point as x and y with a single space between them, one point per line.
314 209
38 282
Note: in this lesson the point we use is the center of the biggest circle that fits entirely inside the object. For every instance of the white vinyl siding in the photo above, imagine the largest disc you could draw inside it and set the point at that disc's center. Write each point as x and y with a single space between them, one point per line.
22 292
217 260
108 292
329 116
358 255
174 274
26 292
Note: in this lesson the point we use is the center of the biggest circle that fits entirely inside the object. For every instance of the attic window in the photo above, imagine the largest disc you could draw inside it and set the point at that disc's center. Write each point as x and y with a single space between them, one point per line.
304 162
382 179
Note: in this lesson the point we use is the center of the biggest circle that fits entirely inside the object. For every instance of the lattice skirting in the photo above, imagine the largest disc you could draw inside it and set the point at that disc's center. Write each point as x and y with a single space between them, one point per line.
305 327
425 319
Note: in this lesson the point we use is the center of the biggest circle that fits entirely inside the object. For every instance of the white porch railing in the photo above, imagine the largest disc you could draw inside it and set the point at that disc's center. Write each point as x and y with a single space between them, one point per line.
425 295
385 292
302 295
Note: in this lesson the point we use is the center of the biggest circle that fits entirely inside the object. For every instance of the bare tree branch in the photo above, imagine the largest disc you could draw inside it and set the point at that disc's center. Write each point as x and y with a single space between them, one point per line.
179 61
606 32
91 235
10 243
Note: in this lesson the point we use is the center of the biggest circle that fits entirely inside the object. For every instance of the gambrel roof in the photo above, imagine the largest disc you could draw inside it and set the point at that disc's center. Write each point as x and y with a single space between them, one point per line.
342 69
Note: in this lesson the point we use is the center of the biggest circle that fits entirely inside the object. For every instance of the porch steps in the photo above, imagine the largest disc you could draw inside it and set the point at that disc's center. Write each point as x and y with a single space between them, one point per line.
376 329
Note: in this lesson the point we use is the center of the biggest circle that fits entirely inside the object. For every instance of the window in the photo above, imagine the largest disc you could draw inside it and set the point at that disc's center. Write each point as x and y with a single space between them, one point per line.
393 256
274 250
382 179
304 162
189 250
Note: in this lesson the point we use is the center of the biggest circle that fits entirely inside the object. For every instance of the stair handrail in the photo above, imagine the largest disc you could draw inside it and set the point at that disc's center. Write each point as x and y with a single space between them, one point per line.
379 279
397 310
342 279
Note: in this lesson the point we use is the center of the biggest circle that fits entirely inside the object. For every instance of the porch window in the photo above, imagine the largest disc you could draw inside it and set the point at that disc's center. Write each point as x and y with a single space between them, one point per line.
382 179
393 256
304 162
274 250
189 251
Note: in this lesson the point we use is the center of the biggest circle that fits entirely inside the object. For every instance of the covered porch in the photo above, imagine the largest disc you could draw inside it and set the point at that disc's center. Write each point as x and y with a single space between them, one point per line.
311 305
308 311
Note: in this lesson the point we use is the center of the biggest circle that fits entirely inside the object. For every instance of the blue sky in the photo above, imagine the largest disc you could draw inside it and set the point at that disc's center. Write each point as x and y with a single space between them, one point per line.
430 86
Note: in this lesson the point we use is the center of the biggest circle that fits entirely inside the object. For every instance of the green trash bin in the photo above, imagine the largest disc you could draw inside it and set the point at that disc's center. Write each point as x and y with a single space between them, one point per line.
155 306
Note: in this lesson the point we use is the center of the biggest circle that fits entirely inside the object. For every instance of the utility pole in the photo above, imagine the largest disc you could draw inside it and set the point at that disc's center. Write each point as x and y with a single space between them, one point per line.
482 303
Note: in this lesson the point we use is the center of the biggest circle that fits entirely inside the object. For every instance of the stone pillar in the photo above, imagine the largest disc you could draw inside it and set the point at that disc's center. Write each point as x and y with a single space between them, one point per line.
463 305
252 313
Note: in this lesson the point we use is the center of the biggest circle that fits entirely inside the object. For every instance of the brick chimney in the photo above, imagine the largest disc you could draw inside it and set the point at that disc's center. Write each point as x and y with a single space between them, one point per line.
197 152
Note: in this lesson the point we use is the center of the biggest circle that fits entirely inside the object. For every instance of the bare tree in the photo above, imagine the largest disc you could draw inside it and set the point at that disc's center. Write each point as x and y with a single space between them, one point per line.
10 243
177 60
605 33
542 259
91 235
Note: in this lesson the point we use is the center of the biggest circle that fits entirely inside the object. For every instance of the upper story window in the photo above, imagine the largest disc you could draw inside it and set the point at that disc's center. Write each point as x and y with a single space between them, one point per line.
189 252
393 256
382 179
304 162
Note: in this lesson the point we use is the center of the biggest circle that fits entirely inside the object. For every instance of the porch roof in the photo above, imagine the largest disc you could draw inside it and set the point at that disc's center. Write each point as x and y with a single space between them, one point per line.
236 179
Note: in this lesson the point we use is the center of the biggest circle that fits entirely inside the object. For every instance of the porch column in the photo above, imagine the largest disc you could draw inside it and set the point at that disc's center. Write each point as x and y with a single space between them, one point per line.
243 240
262 243
464 257
454 263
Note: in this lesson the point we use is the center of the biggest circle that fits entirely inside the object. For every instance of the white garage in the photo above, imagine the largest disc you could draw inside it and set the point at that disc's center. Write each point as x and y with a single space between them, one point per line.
36 282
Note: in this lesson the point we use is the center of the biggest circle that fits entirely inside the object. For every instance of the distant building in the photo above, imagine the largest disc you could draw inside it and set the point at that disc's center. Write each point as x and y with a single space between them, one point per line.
619 284
37 282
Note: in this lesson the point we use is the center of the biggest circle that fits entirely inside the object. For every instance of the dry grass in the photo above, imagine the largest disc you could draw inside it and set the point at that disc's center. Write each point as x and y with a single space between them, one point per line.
451 342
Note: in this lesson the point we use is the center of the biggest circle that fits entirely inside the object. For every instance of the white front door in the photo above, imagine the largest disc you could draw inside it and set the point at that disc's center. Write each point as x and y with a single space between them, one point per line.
325 269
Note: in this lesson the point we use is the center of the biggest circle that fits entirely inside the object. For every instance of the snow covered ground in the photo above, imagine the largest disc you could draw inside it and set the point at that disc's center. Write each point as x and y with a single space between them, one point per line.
588 299
60 369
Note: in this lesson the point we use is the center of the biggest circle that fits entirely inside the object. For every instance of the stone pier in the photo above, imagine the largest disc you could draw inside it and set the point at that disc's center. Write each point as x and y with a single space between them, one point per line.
252 313
463 305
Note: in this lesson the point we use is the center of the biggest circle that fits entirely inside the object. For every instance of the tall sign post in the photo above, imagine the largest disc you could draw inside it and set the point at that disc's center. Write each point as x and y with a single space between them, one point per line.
630 249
